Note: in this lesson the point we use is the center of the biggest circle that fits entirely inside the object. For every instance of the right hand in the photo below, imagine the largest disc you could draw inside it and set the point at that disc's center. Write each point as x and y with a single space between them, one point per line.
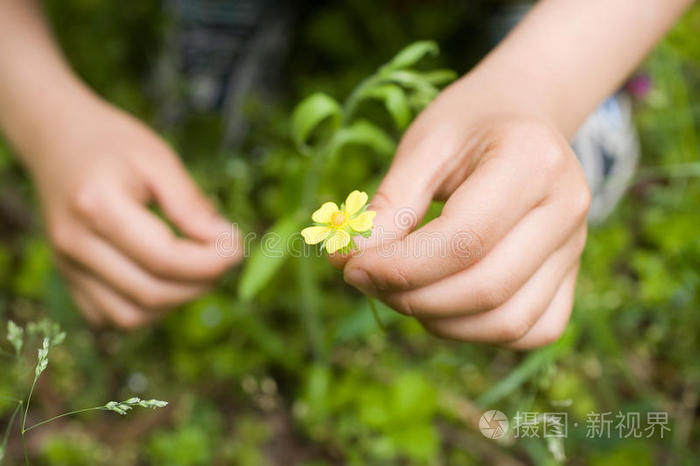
499 264
125 266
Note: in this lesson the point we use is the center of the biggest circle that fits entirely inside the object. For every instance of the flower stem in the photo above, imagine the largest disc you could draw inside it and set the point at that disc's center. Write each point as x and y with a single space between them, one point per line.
375 313
310 310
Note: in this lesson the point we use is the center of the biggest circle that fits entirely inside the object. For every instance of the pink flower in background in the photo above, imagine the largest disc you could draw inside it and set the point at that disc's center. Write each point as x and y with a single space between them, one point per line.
639 86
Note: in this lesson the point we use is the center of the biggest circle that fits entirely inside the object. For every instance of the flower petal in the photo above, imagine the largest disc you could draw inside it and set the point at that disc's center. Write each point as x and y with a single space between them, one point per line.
314 235
323 214
363 222
356 200
338 240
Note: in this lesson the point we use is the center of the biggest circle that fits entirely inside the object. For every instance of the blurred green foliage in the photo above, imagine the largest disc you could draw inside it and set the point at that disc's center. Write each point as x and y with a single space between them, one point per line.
296 371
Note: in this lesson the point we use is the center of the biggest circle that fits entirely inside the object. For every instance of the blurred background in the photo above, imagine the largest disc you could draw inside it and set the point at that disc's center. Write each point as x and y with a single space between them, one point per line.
286 365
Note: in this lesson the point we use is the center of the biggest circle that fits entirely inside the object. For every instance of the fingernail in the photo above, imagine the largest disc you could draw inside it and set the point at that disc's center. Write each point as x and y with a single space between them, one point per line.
360 279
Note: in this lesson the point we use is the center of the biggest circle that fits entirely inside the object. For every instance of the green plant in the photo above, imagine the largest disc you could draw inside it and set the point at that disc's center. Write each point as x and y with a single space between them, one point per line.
51 336
322 129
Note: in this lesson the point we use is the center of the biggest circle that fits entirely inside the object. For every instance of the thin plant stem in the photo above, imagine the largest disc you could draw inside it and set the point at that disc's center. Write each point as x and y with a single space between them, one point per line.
375 313
9 398
26 454
310 311
29 399
24 421
9 426
354 98
70 413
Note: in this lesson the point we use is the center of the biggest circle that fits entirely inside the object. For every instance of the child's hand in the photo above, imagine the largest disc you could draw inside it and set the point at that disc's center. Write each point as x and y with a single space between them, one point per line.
499 265
125 266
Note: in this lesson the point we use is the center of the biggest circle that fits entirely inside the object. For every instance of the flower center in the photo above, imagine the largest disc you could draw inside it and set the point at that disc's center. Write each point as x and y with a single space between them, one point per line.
337 219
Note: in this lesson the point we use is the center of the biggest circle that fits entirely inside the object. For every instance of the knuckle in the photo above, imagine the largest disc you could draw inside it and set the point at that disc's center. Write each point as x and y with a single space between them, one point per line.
550 158
466 248
87 201
581 201
380 201
159 264
399 279
152 298
404 305
513 329
539 139
160 258
492 296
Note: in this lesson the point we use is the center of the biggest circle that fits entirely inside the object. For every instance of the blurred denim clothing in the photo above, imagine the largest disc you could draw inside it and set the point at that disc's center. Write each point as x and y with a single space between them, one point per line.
607 144
217 52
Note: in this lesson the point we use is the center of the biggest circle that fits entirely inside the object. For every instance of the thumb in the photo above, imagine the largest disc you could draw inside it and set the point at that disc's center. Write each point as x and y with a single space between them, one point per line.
184 203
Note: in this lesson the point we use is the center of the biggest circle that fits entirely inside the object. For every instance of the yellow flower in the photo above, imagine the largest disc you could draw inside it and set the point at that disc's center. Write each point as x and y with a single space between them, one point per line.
335 226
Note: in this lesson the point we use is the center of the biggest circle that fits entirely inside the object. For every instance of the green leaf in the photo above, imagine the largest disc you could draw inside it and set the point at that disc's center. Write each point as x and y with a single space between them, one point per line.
396 102
362 132
374 408
421 100
267 259
419 442
309 115
438 77
317 389
418 85
412 54
362 323
413 81
412 397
